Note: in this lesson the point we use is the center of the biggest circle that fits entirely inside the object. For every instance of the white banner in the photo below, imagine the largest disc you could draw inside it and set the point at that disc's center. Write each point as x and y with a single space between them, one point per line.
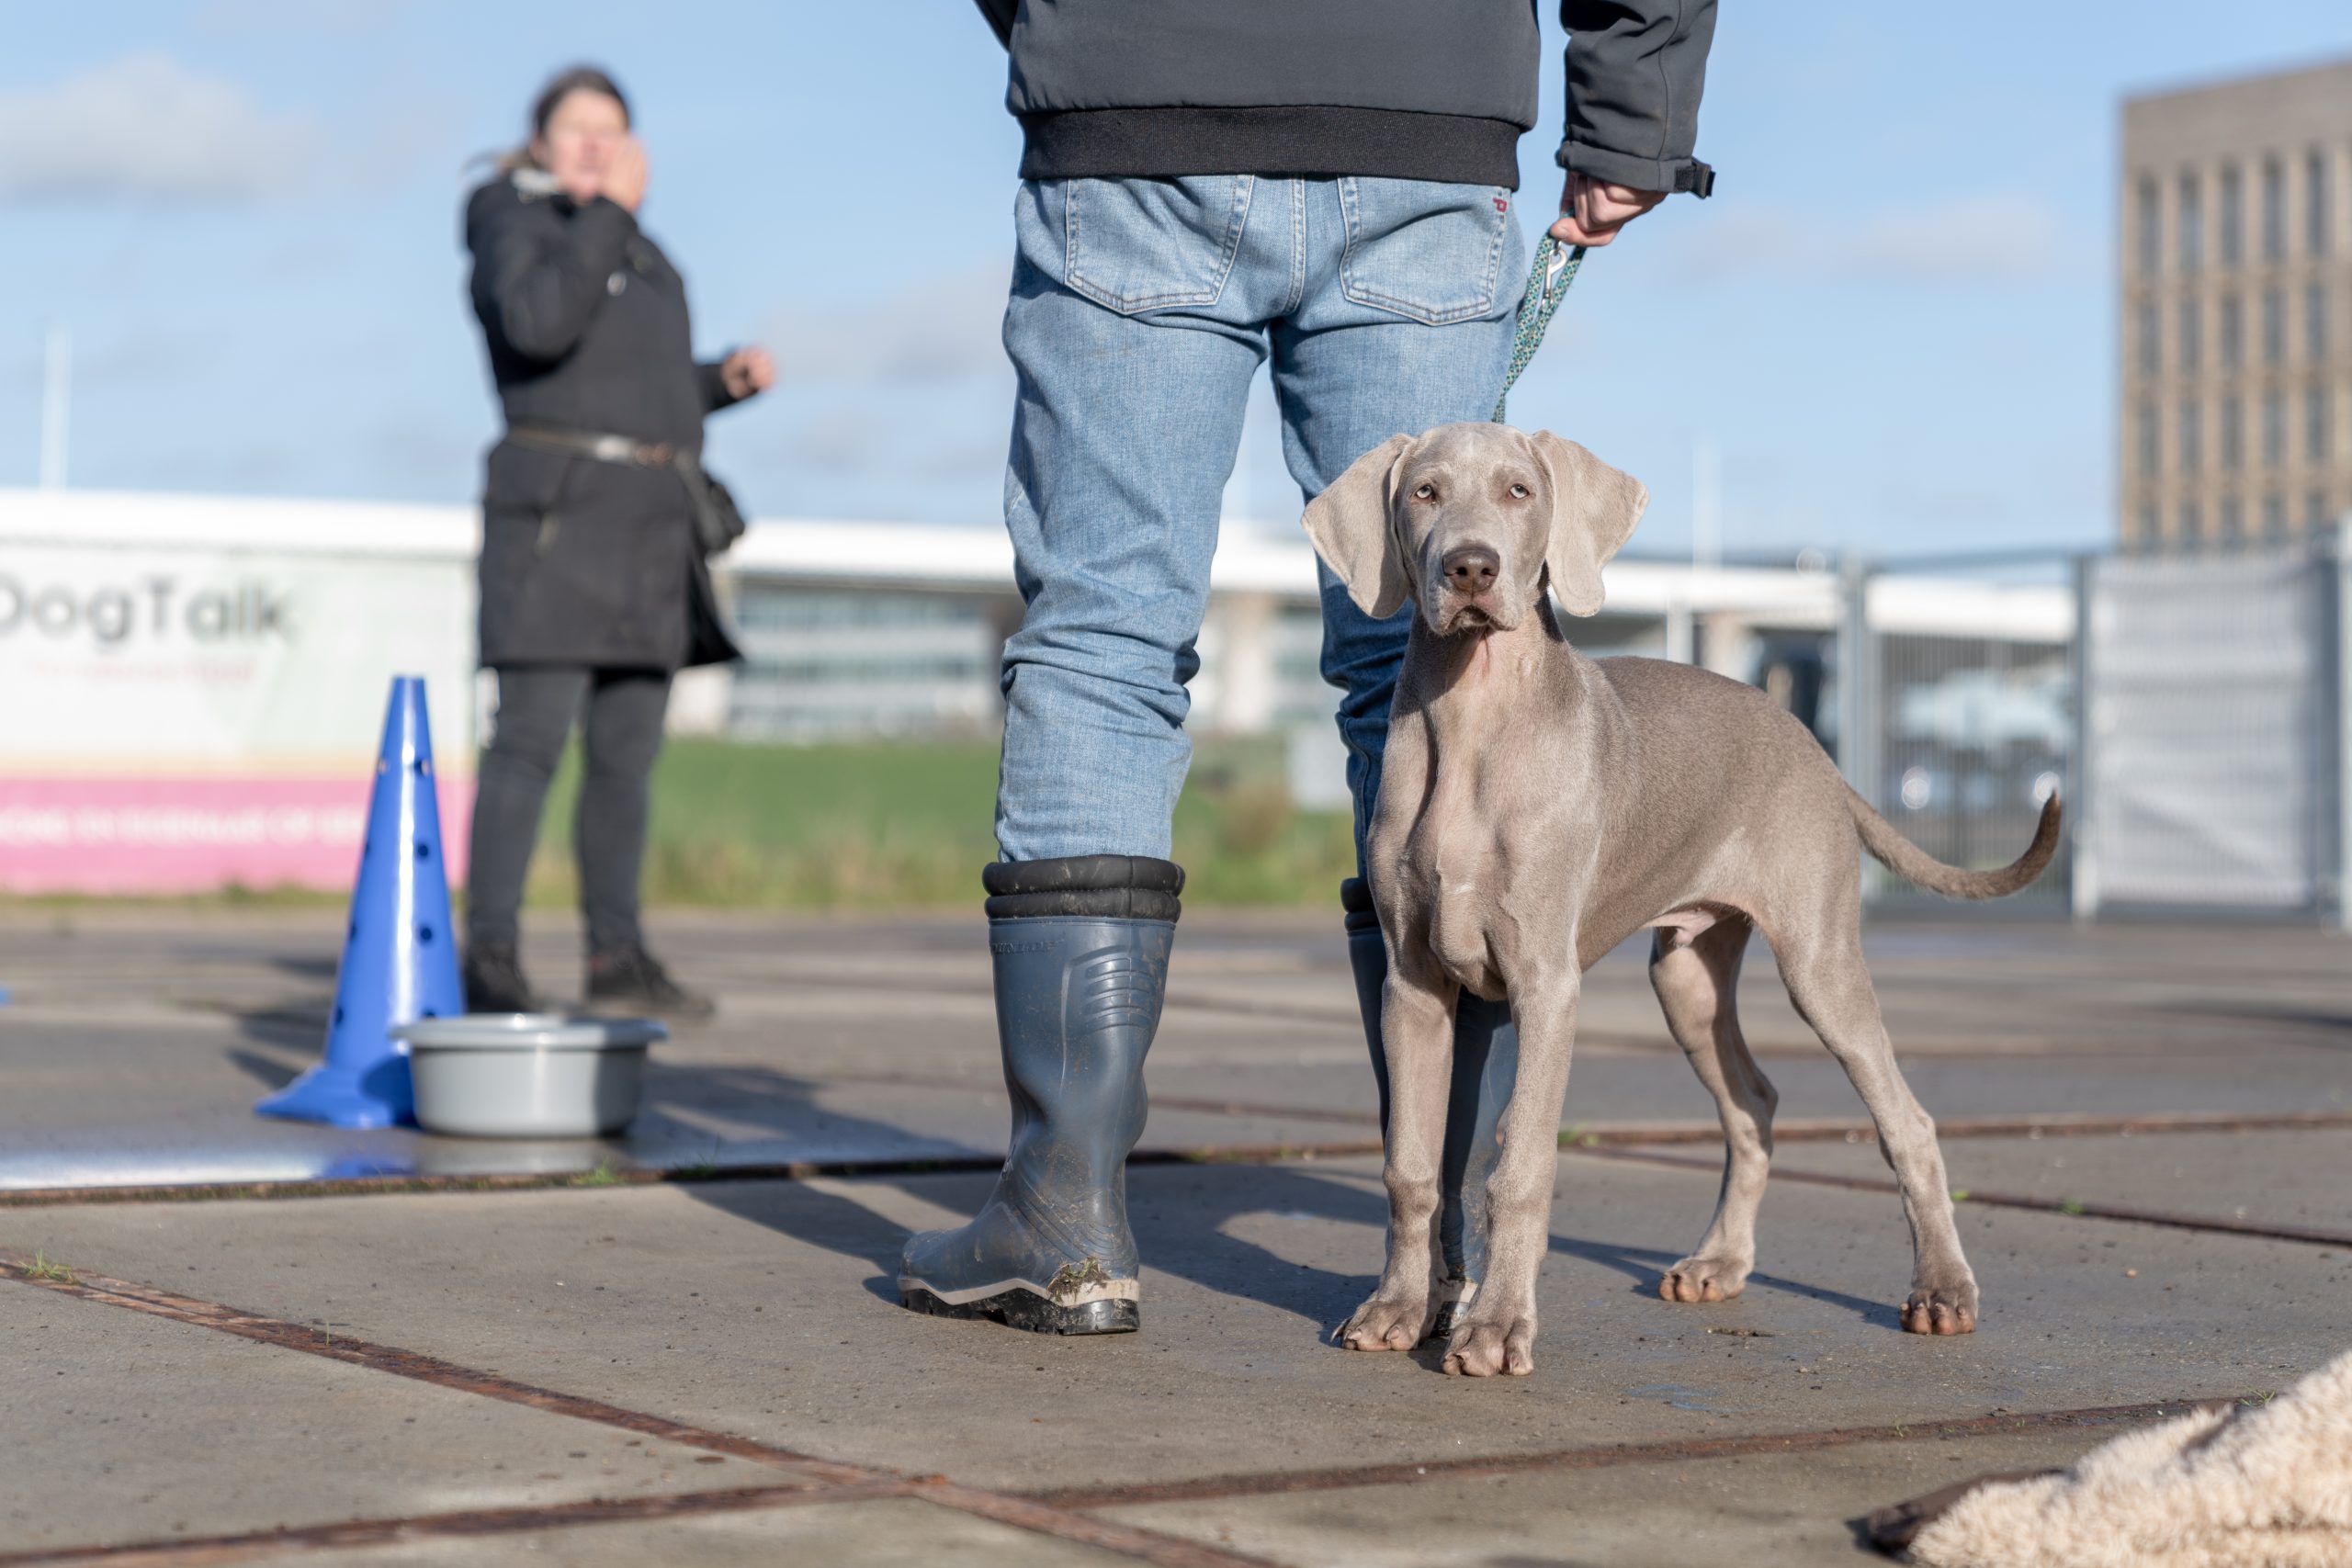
178 718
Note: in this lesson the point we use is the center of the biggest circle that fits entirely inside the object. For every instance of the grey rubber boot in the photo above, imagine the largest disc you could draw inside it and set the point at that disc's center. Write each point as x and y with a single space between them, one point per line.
1080 948
1485 1069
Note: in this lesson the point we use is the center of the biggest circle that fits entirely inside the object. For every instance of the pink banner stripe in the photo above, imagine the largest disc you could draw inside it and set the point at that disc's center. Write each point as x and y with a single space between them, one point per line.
196 835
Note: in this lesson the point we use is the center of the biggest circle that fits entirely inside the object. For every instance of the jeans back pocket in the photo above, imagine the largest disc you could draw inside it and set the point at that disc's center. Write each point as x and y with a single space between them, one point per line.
1422 249
1150 244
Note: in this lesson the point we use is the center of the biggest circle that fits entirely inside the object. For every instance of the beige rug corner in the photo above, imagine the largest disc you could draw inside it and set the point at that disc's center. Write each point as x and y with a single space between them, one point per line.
2253 1486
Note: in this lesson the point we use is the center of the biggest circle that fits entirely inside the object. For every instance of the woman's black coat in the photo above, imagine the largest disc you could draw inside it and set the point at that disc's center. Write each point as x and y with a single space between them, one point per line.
586 562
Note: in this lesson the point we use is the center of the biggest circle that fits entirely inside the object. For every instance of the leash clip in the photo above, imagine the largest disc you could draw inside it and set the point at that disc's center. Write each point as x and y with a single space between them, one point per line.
1558 264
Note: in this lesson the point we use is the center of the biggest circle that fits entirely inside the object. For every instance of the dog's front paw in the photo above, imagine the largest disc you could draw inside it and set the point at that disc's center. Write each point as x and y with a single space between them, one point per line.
1703 1279
1486 1343
1387 1324
1942 1309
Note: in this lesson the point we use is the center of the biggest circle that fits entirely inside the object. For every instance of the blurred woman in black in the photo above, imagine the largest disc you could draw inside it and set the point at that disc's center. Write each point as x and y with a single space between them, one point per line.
594 586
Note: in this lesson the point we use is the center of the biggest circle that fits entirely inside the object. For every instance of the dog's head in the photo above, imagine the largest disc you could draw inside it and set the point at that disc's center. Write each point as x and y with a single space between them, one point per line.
1471 521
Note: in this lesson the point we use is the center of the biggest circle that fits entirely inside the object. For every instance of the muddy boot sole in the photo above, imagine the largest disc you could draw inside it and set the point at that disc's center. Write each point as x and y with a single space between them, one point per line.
1031 1313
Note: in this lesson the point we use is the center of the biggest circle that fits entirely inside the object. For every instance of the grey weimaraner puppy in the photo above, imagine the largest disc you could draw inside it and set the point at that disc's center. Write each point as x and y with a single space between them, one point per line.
1536 808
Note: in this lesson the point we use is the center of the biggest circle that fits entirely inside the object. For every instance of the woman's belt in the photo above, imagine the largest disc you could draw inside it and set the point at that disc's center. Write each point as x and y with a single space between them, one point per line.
717 521
592 444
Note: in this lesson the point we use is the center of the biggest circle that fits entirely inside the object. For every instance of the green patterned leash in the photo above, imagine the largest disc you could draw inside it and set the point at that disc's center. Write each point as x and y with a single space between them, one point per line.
1547 284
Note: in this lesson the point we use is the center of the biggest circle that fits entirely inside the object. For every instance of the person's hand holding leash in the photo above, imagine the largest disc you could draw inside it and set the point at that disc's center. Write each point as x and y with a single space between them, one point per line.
1591 210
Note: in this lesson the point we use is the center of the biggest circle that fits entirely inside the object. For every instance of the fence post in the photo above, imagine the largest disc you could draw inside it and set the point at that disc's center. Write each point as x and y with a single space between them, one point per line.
1857 716
2335 728
1681 642
2082 857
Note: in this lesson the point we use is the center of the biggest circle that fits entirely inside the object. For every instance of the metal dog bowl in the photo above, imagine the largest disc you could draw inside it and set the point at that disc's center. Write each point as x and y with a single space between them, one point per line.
527 1074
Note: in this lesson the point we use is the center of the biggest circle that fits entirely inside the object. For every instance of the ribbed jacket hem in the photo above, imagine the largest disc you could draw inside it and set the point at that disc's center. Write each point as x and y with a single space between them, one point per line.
1126 143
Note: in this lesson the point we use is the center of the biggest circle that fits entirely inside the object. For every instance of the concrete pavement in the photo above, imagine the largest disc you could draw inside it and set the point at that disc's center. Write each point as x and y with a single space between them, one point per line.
712 1368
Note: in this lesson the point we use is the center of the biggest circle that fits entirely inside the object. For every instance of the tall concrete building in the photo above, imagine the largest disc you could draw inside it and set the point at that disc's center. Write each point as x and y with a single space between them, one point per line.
2236 301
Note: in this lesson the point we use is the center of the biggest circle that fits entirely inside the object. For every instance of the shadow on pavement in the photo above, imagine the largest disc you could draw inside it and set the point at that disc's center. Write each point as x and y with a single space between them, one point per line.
1186 1233
267 1071
1183 1222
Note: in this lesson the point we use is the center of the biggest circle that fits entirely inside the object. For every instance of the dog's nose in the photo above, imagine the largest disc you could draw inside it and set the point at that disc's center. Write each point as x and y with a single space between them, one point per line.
1471 568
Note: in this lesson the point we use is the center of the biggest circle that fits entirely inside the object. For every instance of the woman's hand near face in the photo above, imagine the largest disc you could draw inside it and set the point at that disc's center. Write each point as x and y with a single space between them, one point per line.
747 372
624 178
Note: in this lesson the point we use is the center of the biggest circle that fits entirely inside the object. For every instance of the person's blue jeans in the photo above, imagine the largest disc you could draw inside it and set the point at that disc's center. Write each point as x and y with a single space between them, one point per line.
1140 311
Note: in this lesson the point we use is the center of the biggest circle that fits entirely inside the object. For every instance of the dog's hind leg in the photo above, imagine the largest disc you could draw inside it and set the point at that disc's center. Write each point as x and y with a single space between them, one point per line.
1821 960
1697 981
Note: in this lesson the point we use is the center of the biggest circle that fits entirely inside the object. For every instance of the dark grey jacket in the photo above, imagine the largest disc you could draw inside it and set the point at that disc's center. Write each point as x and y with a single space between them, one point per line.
586 562
1411 89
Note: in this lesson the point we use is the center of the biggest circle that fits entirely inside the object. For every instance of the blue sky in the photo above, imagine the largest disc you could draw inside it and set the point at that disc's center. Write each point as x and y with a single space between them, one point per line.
1894 324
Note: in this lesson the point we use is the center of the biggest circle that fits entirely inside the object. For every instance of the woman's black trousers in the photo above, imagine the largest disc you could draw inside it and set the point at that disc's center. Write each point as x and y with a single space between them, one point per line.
620 714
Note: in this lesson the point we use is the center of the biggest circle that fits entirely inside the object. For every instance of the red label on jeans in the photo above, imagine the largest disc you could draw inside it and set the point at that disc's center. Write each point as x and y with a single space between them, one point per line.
1501 206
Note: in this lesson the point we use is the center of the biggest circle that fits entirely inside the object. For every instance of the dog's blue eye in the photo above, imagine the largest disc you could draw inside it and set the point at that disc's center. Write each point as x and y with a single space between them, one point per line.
1519 493
1426 492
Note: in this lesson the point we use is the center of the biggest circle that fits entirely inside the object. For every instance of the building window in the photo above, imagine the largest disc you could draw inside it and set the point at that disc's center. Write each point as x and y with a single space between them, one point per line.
2233 217
2192 224
2273 326
2274 211
2232 332
2151 226
2315 424
2145 323
2316 514
2192 524
2232 432
2274 428
2192 435
2316 322
2232 529
2151 439
2316 202
2274 518
2192 335
2146 538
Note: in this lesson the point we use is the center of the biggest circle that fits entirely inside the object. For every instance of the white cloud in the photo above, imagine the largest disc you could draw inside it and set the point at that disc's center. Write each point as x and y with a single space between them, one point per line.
147 126
2010 237
963 443
1997 237
942 328
896 404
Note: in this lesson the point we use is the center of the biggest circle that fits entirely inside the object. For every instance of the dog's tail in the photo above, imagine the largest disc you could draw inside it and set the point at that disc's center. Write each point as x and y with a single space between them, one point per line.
1908 861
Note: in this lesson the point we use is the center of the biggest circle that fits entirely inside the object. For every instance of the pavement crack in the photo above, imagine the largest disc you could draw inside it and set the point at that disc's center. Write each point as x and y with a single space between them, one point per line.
1259 1484
828 1481
2070 1207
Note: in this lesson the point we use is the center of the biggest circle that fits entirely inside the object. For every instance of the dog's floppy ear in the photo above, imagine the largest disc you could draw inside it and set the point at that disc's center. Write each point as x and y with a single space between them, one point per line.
1351 530
1594 508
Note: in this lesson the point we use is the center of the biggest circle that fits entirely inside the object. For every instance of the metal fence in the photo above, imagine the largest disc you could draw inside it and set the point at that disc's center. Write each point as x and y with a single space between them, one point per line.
2214 743
1956 716
2192 709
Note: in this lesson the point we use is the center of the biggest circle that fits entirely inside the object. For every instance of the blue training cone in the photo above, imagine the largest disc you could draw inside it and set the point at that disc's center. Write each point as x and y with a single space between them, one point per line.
400 957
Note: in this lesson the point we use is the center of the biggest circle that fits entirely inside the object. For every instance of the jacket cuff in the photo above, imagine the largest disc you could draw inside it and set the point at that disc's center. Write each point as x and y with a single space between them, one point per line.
1668 175
711 374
